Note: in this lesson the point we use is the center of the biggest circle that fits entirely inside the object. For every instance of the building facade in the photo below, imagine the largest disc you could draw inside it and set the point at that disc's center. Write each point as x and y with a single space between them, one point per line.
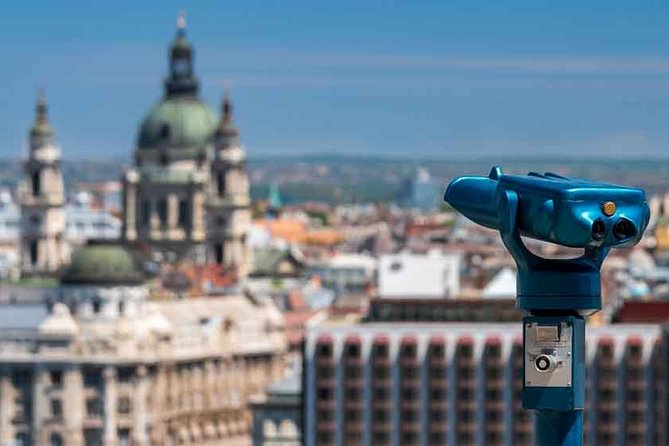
188 192
43 249
277 416
95 363
460 384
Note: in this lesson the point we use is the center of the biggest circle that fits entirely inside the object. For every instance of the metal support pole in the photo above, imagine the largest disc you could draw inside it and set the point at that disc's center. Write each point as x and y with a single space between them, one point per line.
559 428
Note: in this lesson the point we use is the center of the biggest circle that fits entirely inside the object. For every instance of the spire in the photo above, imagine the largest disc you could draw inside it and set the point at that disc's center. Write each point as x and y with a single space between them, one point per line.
181 80
226 128
227 107
42 109
181 22
41 127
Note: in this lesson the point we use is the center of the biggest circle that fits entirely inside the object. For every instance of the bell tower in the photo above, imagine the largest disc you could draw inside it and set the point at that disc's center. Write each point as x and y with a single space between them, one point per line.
42 199
228 213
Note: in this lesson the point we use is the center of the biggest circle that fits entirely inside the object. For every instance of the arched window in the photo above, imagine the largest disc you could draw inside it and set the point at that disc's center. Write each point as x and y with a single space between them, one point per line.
36 183
33 252
56 439
184 212
146 213
162 211
219 252
220 181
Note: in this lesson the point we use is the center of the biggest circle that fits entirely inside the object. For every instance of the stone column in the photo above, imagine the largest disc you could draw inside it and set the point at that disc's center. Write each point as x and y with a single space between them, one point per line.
110 435
209 385
172 211
139 409
197 387
73 406
40 406
130 196
162 403
6 408
198 231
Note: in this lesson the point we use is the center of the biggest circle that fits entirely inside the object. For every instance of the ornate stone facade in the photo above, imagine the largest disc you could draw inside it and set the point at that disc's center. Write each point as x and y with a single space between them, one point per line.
42 199
103 365
188 192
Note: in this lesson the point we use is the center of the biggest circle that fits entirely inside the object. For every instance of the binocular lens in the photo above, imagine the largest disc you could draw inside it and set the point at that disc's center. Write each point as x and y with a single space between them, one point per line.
624 229
598 230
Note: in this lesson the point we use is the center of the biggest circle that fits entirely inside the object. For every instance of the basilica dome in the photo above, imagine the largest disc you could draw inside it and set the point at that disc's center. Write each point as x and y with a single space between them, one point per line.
177 123
180 120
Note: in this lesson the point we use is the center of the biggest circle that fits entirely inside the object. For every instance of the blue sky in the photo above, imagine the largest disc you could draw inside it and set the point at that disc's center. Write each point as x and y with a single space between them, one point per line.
404 78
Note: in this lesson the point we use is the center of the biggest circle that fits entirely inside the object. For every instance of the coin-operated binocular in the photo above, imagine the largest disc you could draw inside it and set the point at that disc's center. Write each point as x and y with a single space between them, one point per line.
557 293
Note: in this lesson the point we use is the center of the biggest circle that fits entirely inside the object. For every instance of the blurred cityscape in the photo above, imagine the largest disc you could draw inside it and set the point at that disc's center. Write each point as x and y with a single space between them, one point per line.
187 296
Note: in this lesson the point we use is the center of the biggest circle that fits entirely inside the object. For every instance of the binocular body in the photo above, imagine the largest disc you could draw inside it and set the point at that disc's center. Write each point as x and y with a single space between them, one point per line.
552 208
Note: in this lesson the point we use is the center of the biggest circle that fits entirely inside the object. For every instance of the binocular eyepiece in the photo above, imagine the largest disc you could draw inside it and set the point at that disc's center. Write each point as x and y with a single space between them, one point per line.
571 212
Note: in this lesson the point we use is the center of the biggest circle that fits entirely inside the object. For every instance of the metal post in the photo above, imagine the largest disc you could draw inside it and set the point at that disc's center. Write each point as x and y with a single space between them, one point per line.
559 428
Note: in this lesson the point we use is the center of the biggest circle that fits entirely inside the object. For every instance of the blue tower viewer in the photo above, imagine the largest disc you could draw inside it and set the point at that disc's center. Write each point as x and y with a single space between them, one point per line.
556 293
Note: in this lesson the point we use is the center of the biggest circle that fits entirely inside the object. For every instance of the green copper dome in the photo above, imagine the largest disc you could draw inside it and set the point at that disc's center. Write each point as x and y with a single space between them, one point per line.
178 122
103 264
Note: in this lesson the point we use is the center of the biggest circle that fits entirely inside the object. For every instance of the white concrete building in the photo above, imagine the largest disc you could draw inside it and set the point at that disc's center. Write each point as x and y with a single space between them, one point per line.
433 275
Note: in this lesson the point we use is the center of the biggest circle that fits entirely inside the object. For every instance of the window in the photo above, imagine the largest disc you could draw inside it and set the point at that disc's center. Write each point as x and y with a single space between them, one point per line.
381 350
56 377
324 393
97 305
220 181
352 350
409 351
162 211
324 350
94 407
93 437
381 372
93 378
165 131
56 440
184 212
219 252
56 408
123 437
33 252
146 213
395 267
21 439
36 183
353 393
124 405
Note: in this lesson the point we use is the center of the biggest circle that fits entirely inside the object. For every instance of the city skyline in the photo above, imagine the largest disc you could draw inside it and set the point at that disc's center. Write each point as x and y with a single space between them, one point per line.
435 80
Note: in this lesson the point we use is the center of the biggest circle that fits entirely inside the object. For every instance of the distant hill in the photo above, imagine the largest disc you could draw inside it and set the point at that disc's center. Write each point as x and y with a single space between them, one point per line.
340 178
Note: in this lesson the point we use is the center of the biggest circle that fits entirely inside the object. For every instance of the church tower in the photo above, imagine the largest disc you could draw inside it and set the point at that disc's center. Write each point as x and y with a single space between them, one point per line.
228 212
42 199
165 193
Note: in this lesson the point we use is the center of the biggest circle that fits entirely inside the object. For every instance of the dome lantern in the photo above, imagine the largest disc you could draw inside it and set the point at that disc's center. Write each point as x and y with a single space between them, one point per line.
181 80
